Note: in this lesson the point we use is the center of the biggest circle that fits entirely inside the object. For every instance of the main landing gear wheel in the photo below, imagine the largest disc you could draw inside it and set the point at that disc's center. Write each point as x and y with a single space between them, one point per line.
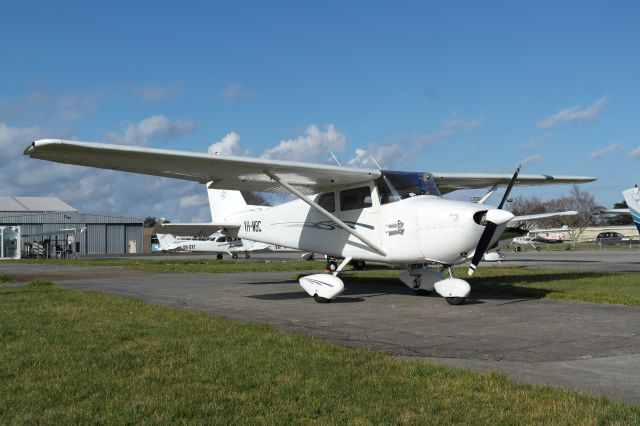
219 256
321 299
234 256
247 256
332 266
455 301
358 265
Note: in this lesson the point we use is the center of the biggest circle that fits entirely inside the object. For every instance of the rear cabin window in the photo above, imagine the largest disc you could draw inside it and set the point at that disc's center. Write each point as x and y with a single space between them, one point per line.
327 201
356 198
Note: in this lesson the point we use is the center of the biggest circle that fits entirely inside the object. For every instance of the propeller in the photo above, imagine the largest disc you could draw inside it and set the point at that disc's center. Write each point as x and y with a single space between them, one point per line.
493 219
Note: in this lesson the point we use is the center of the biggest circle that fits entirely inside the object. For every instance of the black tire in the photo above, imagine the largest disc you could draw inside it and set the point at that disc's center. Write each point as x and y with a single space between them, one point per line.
247 256
321 299
455 301
332 266
538 249
422 292
219 256
234 256
517 249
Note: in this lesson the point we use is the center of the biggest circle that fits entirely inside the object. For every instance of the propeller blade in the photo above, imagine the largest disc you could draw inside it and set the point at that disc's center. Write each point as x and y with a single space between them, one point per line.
483 244
508 191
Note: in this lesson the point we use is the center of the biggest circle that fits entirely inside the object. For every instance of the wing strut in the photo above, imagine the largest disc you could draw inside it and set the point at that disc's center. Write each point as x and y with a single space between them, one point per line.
332 217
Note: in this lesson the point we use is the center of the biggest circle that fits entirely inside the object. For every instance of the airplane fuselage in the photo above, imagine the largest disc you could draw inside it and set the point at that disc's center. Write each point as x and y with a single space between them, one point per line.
418 229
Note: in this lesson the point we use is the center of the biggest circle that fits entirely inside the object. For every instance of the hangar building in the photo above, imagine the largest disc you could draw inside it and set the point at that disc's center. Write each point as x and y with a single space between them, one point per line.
41 217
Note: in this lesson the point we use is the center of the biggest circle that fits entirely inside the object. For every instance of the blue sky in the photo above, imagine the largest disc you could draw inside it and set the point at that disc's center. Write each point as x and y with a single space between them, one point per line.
451 86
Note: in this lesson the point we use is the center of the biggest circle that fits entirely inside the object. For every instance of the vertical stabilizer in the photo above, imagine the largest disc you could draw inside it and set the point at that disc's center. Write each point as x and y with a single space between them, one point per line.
167 241
224 203
632 197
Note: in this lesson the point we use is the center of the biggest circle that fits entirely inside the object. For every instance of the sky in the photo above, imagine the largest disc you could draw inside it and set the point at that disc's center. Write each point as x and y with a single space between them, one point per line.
424 86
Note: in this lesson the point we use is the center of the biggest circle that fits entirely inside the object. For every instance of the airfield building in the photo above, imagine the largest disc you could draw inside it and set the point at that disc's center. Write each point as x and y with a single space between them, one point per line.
49 219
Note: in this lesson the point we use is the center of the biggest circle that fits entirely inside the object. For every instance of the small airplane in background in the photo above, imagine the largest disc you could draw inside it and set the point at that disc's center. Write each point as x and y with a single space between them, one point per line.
351 213
535 239
216 243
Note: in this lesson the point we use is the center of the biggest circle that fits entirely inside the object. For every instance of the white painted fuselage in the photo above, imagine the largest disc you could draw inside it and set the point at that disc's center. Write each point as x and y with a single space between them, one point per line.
419 229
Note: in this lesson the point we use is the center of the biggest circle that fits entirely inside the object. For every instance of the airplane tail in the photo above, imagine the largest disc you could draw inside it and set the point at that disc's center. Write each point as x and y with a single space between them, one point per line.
167 241
632 197
224 203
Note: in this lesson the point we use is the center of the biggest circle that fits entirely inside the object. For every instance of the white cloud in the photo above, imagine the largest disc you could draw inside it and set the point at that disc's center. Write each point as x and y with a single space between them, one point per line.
635 153
44 105
157 126
313 146
604 151
385 156
531 159
533 142
193 200
573 114
236 92
450 128
228 145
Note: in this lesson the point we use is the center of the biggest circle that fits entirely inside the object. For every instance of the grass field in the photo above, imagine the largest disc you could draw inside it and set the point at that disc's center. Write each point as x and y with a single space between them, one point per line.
81 357
616 288
185 265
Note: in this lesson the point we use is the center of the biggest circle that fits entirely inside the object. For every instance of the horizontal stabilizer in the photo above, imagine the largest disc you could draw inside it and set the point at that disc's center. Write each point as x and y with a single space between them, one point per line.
198 229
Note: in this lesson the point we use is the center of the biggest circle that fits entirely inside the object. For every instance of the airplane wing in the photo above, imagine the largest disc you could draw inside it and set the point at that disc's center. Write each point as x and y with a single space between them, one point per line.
542 216
449 182
615 211
226 172
195 229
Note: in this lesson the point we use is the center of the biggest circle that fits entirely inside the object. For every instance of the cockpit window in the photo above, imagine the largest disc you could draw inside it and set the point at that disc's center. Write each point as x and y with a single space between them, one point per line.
395 186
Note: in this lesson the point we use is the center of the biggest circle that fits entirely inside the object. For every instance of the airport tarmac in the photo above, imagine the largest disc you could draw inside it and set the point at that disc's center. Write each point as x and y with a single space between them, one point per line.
590 347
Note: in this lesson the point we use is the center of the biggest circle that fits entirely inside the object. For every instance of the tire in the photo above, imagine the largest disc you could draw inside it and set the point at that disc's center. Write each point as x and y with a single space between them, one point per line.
332 266
538 249
234 256
517 249
422 292
247 256
321 299
455 301
219 256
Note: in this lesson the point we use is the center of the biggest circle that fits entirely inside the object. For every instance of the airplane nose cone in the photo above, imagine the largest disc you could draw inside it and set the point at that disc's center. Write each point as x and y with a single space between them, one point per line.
499 216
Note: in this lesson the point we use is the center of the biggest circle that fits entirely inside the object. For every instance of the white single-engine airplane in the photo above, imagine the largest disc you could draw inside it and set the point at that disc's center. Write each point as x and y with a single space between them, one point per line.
215 243
351 213
632 198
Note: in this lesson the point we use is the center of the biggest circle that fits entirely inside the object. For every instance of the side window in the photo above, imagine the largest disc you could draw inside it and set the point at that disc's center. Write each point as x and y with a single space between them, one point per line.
327 201
222 239
356 198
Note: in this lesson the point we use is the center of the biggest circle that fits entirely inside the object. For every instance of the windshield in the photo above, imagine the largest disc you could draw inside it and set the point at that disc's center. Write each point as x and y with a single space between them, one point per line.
395 186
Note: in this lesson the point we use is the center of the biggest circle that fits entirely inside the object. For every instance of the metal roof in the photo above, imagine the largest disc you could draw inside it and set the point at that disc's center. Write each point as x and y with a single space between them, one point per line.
33 204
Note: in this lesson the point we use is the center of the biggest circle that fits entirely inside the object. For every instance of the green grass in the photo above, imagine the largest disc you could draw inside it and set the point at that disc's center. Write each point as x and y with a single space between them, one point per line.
83 358
5 278
614 288
186 265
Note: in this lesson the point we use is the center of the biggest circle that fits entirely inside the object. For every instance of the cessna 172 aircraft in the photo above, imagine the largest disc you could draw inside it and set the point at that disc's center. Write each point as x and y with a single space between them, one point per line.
351 213
215 243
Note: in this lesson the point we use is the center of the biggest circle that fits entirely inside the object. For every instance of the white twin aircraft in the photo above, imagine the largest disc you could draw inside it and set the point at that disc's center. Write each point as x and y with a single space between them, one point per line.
350 213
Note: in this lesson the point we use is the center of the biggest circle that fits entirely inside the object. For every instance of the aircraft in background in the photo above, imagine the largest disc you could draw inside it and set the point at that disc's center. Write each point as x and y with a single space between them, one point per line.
352 213
534 239
215 243
632 198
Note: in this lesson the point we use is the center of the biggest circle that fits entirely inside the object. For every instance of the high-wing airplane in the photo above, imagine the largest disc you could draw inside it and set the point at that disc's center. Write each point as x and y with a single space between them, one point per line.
368 214
215 243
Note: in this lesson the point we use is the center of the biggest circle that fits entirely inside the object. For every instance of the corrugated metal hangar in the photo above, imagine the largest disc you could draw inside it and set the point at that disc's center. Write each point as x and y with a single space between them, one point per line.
48 218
